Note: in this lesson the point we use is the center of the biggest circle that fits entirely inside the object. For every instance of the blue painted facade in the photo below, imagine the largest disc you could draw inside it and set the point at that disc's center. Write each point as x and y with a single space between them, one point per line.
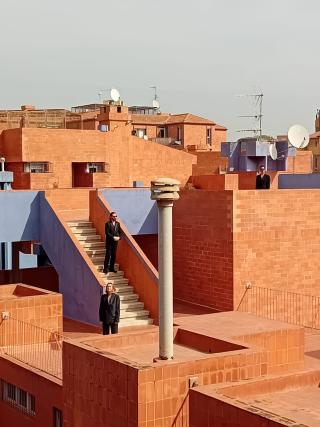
19 216
135 209
78 284
247 154
297 180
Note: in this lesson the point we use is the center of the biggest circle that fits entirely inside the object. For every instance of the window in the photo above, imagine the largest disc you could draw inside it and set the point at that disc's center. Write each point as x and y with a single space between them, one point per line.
95 167
118 109
209 142
162 132
178 133
18 398
57 417
141 133
37 167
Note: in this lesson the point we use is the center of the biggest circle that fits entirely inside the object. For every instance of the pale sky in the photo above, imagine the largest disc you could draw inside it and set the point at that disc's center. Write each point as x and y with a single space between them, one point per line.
200 54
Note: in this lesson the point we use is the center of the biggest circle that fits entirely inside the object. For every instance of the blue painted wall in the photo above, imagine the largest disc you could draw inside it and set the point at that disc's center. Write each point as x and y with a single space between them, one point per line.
79 286
308 180
19 216
135 208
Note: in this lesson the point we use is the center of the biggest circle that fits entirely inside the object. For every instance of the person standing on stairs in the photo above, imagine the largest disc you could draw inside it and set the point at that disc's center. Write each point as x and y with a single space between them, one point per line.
109 311
113 235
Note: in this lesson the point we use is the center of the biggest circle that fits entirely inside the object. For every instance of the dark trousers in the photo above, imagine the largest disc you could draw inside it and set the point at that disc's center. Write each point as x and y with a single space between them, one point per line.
106 328
110 258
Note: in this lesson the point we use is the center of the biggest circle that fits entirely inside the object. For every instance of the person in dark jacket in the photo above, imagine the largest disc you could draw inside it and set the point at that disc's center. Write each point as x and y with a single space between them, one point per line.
113 235
262 180
109 311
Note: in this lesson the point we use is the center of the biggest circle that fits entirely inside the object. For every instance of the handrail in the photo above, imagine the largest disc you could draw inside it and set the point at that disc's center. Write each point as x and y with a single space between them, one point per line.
33 345
138 269
277 304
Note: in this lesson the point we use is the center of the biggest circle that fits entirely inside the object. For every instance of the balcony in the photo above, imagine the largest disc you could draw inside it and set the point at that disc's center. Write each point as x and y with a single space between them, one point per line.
166 141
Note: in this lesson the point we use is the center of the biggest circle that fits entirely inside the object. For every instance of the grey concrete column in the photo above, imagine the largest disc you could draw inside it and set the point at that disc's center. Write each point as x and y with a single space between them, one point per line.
165 191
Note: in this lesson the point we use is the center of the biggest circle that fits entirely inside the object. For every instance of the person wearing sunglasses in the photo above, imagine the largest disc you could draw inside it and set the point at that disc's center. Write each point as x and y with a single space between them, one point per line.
262 180
113 235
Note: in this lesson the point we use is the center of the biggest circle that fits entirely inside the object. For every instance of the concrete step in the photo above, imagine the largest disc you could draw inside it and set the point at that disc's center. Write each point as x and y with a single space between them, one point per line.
134 305
93 245
79 224
135 322
97 260
96 252
124 314
119 281
88 238
126 298
125 289
116 275
83 231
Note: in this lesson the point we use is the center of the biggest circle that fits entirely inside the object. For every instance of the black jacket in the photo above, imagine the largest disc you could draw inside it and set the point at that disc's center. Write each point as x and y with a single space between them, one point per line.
109 312
263 182
112 231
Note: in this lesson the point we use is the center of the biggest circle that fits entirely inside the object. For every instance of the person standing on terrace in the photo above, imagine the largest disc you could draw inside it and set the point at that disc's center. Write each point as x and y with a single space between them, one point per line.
262 180
109 311
113 235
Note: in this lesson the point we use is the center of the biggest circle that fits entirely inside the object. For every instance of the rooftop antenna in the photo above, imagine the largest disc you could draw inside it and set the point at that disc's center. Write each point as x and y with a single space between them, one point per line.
258 97
100 94
155 102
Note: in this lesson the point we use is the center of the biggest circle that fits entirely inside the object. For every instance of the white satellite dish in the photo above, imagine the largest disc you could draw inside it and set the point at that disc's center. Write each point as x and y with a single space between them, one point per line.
115 95
273 151
155 104
298 136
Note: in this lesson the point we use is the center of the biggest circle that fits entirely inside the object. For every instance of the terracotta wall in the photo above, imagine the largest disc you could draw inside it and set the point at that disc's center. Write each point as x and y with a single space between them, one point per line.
137 267
225 239
209 162
302 163
42 310
215 182
41 277
276 240
97 389
207 411
47 392
129 158
203 248
219 136
149 244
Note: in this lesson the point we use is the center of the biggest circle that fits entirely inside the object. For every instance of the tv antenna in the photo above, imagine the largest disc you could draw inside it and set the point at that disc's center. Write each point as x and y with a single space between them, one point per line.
100 94
258 98
155 102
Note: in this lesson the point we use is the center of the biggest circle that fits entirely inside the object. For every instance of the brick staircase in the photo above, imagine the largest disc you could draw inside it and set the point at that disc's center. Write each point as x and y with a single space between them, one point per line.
132 310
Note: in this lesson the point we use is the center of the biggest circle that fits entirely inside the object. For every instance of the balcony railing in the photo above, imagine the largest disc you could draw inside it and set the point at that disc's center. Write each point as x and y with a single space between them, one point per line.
165 141
276 304
32 345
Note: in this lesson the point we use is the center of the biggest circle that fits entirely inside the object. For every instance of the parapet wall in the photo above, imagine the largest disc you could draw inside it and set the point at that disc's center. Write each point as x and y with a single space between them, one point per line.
226 239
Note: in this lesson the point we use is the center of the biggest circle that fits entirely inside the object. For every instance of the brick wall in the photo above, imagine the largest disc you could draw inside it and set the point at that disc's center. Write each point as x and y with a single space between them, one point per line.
202 248
209 162
98 390
224 239
129 158
46 390
39 307
276 240
215 182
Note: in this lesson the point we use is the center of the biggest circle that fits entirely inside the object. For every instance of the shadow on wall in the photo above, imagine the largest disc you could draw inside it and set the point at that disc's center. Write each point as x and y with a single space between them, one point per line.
77 281
20 216
135 208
